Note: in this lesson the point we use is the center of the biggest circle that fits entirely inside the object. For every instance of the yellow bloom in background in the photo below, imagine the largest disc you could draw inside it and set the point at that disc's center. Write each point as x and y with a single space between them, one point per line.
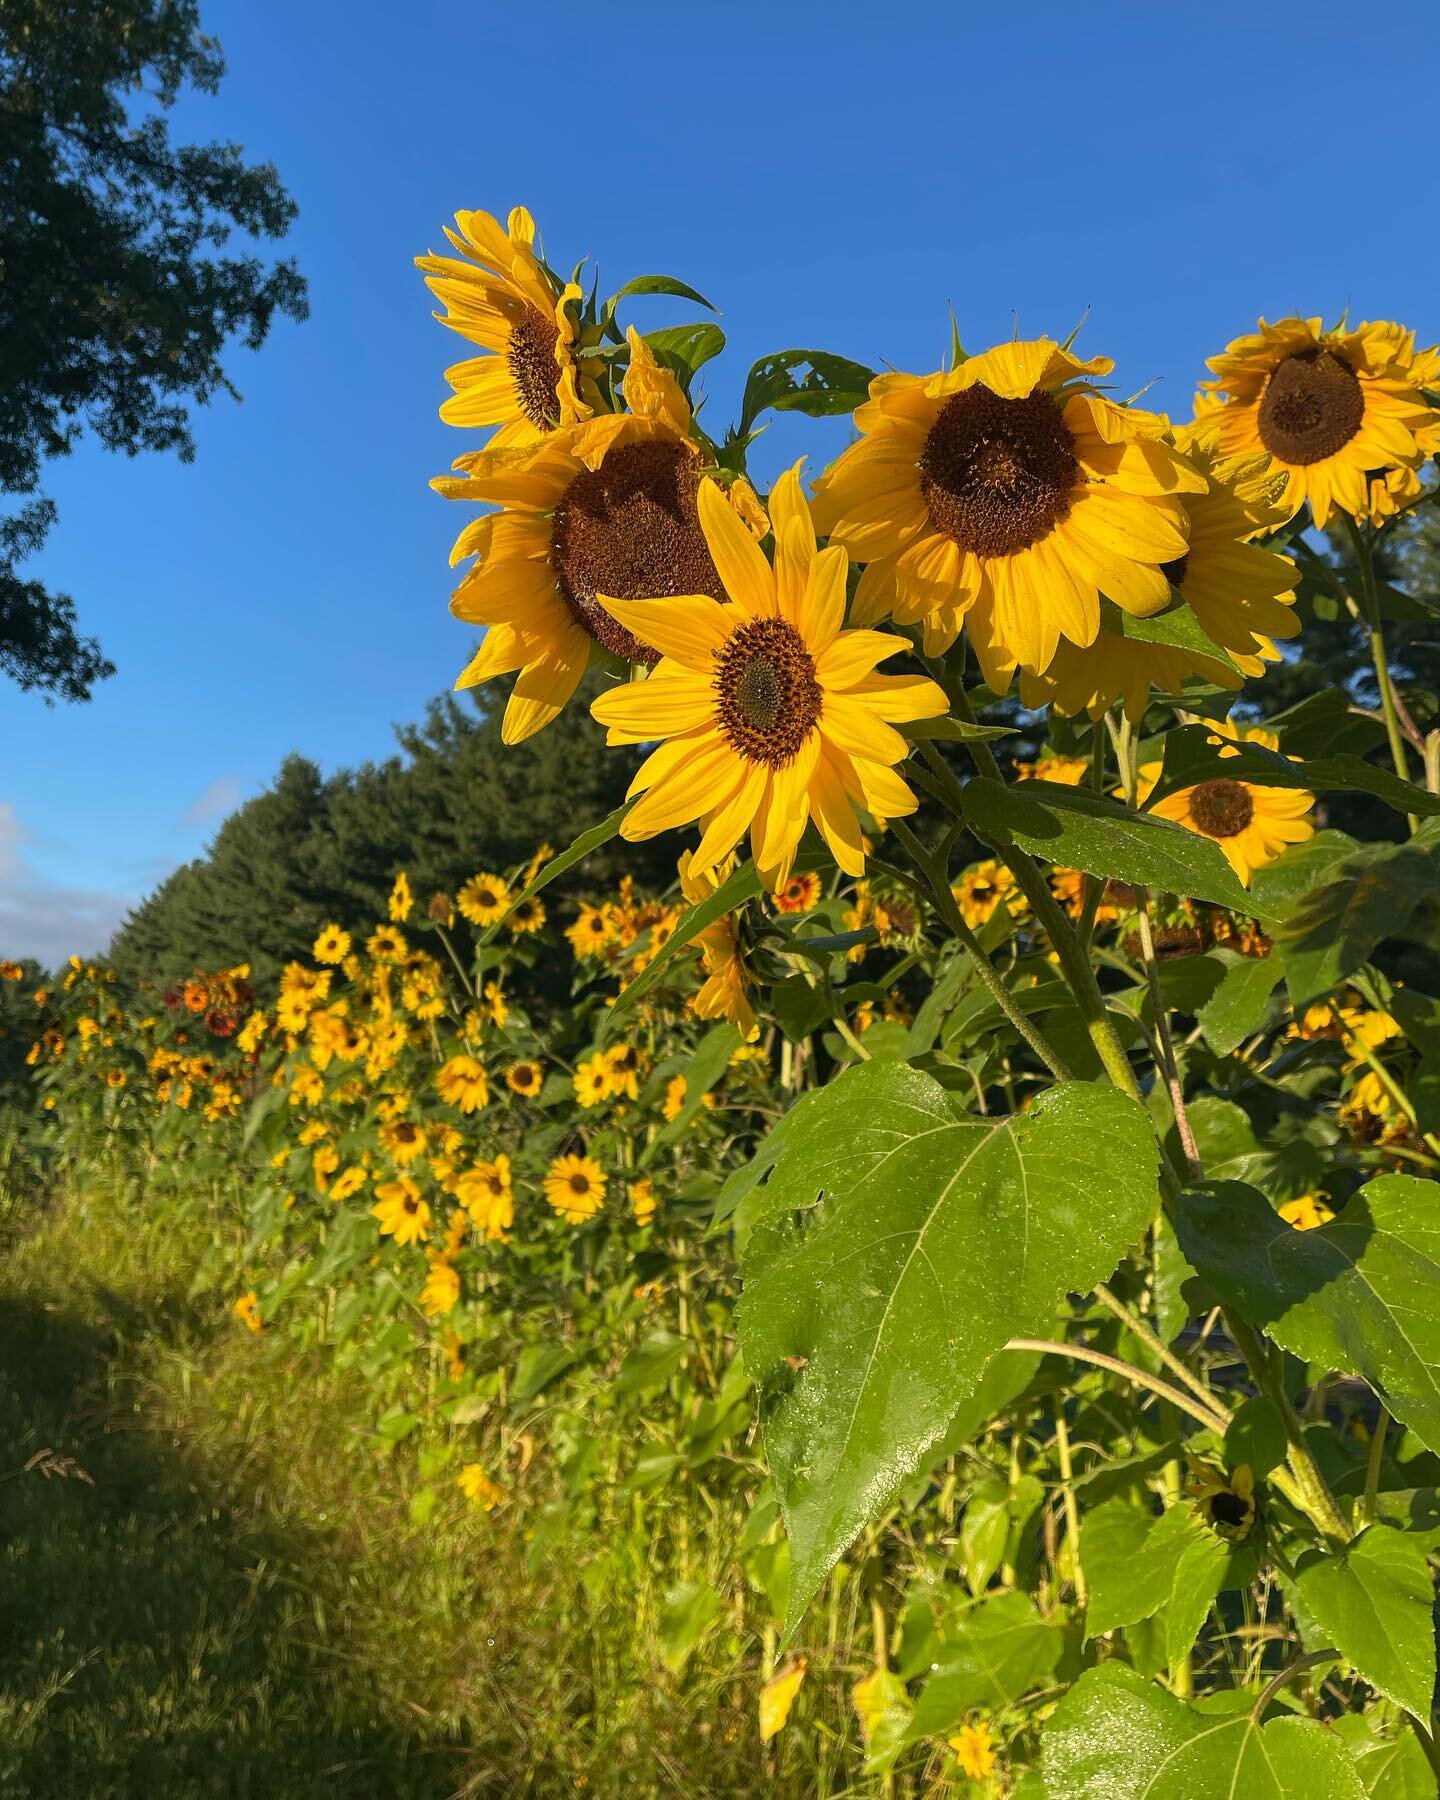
623 1066
526 916
767 712
332 945
592 932
347 1182
778 1696
642 1200
247 1310
493 1005
479 1489
498 294
441 1290
402 1213
1340 412
675 1091
454 1351
486 1194
404 1139
1308 1212
525 1079
575 1187
387 945
974 1747
1069 771
11 971
484 899
609 508
1251 824
462 1082
799 894
591 1080
1006 496
1114 668
724 994
982 888
401 901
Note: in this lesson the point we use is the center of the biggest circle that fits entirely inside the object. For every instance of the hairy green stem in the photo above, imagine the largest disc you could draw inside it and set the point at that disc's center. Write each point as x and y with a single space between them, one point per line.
1209 1416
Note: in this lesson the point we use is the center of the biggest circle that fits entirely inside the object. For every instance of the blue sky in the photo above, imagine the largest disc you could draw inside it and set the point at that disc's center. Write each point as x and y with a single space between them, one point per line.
830 177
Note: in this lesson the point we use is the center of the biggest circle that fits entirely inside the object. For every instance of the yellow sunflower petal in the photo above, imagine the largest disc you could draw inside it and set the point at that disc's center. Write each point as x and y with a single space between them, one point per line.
747 577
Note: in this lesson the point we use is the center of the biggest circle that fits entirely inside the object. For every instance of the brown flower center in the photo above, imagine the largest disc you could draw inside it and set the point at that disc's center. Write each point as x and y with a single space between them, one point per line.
1312 406
535 368
1174 572
630 529
767 691
1221 808
580 1184
997 474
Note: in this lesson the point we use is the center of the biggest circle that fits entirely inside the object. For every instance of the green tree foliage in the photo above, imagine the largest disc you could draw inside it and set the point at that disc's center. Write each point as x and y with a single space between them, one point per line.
115 304
312 848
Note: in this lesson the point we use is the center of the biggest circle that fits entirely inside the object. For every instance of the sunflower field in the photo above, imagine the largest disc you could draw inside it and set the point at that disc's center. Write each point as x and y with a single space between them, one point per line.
965 1255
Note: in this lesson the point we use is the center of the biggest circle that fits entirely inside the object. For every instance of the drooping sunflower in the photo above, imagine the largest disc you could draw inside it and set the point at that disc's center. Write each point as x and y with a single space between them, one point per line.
1008 494
1251 824
462 1083
575 1187
402 1212
609 507
770 713
1341 412
497 293
1118 667
725 992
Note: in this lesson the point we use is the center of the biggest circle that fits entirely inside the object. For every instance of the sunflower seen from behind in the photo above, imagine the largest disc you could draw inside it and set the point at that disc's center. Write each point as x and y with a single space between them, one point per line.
767 712
498 294
1007 496
609 507
1341 412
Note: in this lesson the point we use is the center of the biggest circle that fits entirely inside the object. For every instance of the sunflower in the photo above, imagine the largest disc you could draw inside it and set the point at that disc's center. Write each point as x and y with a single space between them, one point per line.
486 1194
575 1187
769 712
983 888
592 1083
347 1182
402 900
798 894
247 1310
1251 824
675 1090
1308 1212
402 1213
387 944
525 1079
484 899
404 1139
608 508
1069 771
724 994
332 945
1341 412
625 1066
479 1489
498 294
1118 666
642 1200
1008 495
461 1082
1227 1503
441 1290
593 931
526 916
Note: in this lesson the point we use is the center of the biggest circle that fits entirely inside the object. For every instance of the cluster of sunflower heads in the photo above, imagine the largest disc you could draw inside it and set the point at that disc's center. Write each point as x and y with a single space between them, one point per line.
1086 551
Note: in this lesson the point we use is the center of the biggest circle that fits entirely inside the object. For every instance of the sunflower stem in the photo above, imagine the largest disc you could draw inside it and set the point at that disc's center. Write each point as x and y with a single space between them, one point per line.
1364 544
1373 1463
1210 1416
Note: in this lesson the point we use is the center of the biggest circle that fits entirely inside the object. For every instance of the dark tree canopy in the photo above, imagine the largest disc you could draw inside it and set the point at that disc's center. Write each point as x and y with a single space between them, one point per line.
313 849
116 302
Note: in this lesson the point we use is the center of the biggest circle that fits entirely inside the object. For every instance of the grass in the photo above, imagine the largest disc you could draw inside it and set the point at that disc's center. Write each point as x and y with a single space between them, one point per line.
221 1588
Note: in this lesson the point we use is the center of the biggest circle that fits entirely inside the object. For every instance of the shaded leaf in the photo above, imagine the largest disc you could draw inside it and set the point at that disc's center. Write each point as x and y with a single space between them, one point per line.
1195 753
993 1656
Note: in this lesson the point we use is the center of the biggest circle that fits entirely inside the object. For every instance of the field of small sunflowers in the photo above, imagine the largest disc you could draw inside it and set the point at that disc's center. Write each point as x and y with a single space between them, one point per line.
947 1301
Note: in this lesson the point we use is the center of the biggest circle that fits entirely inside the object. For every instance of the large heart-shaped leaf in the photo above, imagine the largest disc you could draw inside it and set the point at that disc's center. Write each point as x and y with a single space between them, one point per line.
1138 1562
1361 1294
1330 929
1374 1602
897 1245
1117 1736
1083 830
991 1657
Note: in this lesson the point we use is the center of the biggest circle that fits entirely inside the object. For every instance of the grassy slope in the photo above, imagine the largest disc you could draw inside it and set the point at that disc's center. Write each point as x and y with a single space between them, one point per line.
237 1602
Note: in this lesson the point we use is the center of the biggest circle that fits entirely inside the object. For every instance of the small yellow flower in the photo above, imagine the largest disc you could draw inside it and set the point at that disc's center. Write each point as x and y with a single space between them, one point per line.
441 1290
404 1139
479 1489
525 1078
642 1200
675 1089
974 1748
592 1083
402 1213
387 944
799 894
401 899
485 1193
347 1182
483 899
1307 1212
526 916
624 1066
575 1187
982 889
462 1083
1228 1506
332 945
247 1309
592 933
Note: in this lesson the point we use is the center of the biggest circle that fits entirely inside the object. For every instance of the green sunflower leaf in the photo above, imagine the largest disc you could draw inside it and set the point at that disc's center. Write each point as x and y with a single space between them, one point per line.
991 1656
1360 1294
1082 830
557 865
1119 1736
654 284
684 349
1195 753
896 1247
1374 1602
829 384
1237 1005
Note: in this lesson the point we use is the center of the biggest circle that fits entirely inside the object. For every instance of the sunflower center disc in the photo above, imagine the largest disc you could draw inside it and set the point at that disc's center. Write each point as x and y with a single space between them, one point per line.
767 692
1221 808
997 474
1174 572
1313 405
579 1184
535 368
630 529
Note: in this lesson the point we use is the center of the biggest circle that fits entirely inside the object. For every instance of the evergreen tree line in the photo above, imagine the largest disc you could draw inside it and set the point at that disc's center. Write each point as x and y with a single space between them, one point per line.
313 849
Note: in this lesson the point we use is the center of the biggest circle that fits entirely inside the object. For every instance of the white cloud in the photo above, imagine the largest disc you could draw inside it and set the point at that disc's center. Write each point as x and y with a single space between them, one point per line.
222 796
44 918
